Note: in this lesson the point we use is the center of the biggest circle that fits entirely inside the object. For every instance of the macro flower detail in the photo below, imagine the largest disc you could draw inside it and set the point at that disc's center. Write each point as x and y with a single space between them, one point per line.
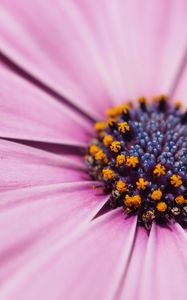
91 204
145 166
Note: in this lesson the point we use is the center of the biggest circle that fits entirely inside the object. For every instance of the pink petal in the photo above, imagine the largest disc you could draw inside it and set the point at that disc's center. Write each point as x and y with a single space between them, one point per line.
131 279
180 92
157 41
164 268
34 219
89 267
142 41
60 51
95 52
30 114
23 166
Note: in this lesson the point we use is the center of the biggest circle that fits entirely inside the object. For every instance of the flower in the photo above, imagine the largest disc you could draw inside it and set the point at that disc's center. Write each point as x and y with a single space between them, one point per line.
63 65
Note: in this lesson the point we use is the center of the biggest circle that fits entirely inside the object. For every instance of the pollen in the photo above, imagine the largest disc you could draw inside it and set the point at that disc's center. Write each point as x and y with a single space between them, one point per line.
115 146
111 122
100 126
120 160
139 158
94 149
142 100
113 112
132 161
124 109
134 201
180 199
123 127
176 180
107 141
141 184
159 170
101 134
117 110
108 174
161 206
100 155
121 186
156 195
178 104
148 217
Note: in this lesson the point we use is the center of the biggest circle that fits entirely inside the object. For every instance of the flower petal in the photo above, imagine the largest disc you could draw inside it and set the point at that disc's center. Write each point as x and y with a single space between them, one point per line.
157 40
142 41
164 268
34 219
93 262
131 278
66 58
180 92
95 53
28 113
23 166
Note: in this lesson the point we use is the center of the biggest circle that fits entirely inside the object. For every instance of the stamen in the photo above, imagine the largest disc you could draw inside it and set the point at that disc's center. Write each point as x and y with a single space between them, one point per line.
108 174
180 199
121 186
115 146
120 160
142 102
132 161
140 157
134 201
123 127
159 170
161 206
108 139
156 195
141 184
94 149
175 180
99 125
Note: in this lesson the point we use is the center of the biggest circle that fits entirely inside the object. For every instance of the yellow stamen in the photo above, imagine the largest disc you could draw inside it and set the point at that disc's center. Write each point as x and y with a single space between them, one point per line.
121 186
112 112
156 195
124 108
176 180
178 104
115 146
132 161
100 155
148 216
137 200
161 206
94 149
142 100
101 134
120 159
132 200
141 184
108 174
160 97
115 111
180 199
159 170
123 127
111 121
108 139
99 126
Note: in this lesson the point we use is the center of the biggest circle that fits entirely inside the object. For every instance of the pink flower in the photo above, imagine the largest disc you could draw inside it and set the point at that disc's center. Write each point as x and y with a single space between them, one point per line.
63 64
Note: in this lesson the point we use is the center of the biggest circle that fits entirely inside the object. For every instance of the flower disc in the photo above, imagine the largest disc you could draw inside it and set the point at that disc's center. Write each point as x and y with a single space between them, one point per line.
140 157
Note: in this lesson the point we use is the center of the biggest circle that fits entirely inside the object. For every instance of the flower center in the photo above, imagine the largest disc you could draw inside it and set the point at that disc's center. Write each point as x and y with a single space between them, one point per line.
140 157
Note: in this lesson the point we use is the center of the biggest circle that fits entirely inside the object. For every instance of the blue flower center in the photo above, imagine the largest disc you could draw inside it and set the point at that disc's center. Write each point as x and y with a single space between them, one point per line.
139 156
